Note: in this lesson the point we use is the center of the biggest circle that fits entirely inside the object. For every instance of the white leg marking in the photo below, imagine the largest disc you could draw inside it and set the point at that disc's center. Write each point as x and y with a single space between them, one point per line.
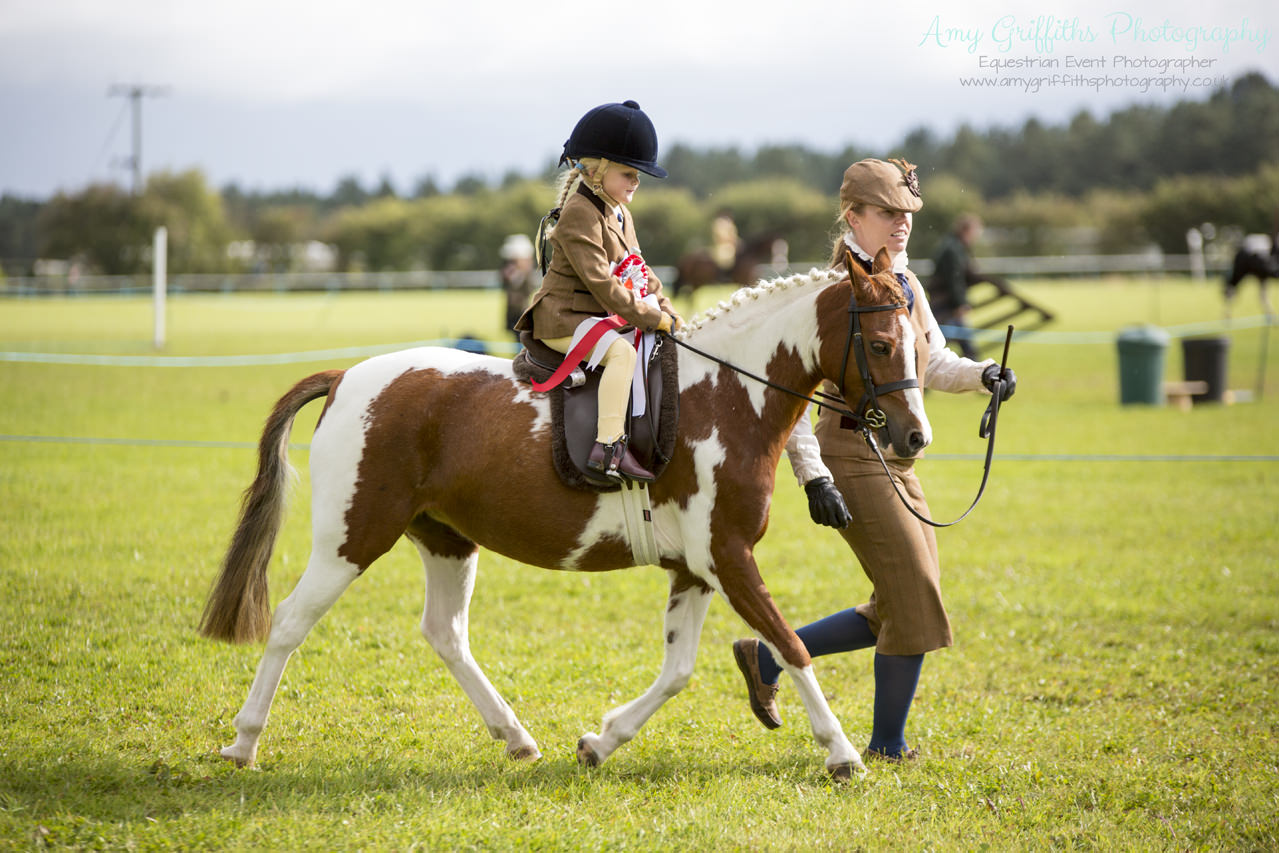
683 630
445 620
826 728
325 579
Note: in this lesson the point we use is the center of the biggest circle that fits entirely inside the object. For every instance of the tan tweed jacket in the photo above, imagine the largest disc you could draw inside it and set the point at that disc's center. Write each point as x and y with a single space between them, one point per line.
585 244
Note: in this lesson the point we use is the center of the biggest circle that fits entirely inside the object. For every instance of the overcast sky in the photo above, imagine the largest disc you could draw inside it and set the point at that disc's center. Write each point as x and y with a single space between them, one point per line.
274 94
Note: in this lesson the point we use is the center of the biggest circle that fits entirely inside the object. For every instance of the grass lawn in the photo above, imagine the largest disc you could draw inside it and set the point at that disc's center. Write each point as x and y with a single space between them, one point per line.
1115 600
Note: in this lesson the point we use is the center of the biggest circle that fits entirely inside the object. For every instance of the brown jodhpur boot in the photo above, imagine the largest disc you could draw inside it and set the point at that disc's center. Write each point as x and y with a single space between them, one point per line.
763 697
615 461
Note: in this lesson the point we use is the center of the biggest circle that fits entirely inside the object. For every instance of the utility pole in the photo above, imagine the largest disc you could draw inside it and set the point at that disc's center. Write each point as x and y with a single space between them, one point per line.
136 92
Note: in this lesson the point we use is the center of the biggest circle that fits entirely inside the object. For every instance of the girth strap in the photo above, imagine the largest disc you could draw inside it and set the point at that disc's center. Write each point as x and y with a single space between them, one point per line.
638 514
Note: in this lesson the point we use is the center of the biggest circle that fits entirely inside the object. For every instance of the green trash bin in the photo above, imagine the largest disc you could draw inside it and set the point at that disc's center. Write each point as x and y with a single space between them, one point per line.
1141 365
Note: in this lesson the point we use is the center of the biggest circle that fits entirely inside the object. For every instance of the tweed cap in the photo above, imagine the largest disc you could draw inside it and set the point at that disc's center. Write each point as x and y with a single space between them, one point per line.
891 185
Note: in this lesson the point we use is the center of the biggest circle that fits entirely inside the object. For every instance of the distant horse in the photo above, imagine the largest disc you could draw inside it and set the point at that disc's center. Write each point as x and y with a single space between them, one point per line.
450 450
1258 256
697 267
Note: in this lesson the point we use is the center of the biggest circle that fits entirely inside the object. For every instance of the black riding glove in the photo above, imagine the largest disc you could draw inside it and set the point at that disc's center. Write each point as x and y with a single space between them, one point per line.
991 373
825 503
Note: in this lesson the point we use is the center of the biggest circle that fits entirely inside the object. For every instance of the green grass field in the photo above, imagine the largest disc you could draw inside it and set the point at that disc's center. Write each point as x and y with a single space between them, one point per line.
1113 684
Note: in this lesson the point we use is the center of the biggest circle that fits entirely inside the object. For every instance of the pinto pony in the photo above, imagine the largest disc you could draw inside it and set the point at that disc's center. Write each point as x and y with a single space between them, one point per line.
448 449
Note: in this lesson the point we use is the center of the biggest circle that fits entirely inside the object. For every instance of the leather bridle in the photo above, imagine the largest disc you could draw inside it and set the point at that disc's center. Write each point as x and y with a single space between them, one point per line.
869 417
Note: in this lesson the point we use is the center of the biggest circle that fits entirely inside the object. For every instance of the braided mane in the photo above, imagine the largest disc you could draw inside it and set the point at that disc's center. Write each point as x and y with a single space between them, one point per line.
762 288
883 288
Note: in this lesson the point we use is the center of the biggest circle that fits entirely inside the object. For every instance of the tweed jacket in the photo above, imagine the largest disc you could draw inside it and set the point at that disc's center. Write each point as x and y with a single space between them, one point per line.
586 243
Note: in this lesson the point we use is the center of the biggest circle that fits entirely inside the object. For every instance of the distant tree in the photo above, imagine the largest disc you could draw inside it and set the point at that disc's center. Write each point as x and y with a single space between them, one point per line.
375 236
385 187
669 222
945 198
472 184
194 217
972 159
102 226
349 192
1248 203
788 209
426 187
19 243
1250 138
277 231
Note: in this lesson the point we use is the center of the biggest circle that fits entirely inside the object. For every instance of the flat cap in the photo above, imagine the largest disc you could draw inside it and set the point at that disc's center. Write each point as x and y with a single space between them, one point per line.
891 185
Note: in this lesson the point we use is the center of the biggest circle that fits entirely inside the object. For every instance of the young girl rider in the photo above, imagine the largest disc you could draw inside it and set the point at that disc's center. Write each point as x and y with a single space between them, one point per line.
596 273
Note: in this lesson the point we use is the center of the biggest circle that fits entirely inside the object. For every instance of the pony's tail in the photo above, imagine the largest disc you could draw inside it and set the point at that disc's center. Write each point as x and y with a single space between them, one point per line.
239 606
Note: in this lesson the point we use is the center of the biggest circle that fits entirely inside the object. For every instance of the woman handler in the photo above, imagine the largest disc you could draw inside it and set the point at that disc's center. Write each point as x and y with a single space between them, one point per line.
847 488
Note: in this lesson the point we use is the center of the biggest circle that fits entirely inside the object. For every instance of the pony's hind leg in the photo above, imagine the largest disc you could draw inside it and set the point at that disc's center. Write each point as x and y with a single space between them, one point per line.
686 609
325 579
450 563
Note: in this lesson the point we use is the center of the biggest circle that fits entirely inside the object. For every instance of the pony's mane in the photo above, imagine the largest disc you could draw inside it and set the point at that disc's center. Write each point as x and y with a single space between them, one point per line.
764 287
883 288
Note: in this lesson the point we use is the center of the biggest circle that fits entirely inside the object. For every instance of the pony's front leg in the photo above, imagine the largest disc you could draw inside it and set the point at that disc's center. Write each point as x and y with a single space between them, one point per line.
686 610
320 585
748 596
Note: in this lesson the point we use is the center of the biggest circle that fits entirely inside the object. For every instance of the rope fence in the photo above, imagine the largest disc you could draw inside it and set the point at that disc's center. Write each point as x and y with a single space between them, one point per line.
506 347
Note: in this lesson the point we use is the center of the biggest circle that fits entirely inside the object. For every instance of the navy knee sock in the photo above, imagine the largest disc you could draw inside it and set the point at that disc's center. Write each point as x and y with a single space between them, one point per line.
896 677
844 631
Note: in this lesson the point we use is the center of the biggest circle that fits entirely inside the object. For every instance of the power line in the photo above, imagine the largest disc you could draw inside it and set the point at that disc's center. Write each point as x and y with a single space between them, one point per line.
136 92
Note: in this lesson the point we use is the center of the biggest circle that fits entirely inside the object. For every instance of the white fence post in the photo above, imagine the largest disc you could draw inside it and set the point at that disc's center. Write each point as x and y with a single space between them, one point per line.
159 286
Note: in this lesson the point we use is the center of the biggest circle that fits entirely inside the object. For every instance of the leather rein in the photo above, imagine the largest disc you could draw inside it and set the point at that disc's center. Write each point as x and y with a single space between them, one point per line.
872 417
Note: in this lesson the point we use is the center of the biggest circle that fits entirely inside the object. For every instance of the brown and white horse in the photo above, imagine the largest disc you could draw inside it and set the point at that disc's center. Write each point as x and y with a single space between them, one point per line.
449 449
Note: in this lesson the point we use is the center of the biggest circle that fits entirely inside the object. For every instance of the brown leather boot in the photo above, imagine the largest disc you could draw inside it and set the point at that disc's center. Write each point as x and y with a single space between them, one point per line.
615 461
763 697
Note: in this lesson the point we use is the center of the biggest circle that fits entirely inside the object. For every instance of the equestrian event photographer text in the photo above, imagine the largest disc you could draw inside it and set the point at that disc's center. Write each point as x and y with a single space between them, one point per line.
1121 30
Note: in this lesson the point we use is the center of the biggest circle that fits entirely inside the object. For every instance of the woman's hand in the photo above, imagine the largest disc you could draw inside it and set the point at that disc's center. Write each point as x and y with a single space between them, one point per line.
992 372
825 503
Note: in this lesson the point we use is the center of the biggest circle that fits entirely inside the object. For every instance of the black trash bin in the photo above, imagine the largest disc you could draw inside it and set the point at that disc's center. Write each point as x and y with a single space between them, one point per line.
1205 360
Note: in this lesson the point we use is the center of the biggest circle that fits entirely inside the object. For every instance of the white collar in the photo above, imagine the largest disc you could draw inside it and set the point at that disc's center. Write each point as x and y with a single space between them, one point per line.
899 262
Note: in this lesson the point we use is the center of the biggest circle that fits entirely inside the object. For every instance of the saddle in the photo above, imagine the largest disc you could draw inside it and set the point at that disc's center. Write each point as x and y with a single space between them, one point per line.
574 410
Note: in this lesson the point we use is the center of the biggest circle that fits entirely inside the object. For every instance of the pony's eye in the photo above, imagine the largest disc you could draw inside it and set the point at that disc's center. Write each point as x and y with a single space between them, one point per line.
879 348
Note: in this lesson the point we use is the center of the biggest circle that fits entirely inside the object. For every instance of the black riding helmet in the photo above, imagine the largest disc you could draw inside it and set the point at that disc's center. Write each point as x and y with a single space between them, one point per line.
617 132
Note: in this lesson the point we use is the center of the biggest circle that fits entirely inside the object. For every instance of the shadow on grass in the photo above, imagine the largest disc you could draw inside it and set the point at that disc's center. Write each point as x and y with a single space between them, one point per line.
112 789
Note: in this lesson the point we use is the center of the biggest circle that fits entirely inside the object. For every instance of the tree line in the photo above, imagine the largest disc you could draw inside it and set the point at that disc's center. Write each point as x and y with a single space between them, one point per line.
1139 176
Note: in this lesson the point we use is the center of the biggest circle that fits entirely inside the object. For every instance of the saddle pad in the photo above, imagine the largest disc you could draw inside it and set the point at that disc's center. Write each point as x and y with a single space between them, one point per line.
573 412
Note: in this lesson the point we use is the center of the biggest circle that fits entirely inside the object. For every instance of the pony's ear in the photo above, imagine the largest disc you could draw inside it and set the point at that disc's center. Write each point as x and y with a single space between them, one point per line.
883 263
855 271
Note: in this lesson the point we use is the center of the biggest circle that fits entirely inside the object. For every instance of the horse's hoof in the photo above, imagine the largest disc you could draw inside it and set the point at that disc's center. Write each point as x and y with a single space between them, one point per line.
524 753
229 753
841 772
586 756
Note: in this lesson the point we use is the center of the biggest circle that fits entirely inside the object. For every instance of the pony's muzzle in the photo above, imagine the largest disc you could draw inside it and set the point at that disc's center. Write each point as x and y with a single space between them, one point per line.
916 440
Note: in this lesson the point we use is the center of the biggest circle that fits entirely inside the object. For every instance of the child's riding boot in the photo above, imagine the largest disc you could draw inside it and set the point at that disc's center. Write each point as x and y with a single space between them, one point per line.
615 461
